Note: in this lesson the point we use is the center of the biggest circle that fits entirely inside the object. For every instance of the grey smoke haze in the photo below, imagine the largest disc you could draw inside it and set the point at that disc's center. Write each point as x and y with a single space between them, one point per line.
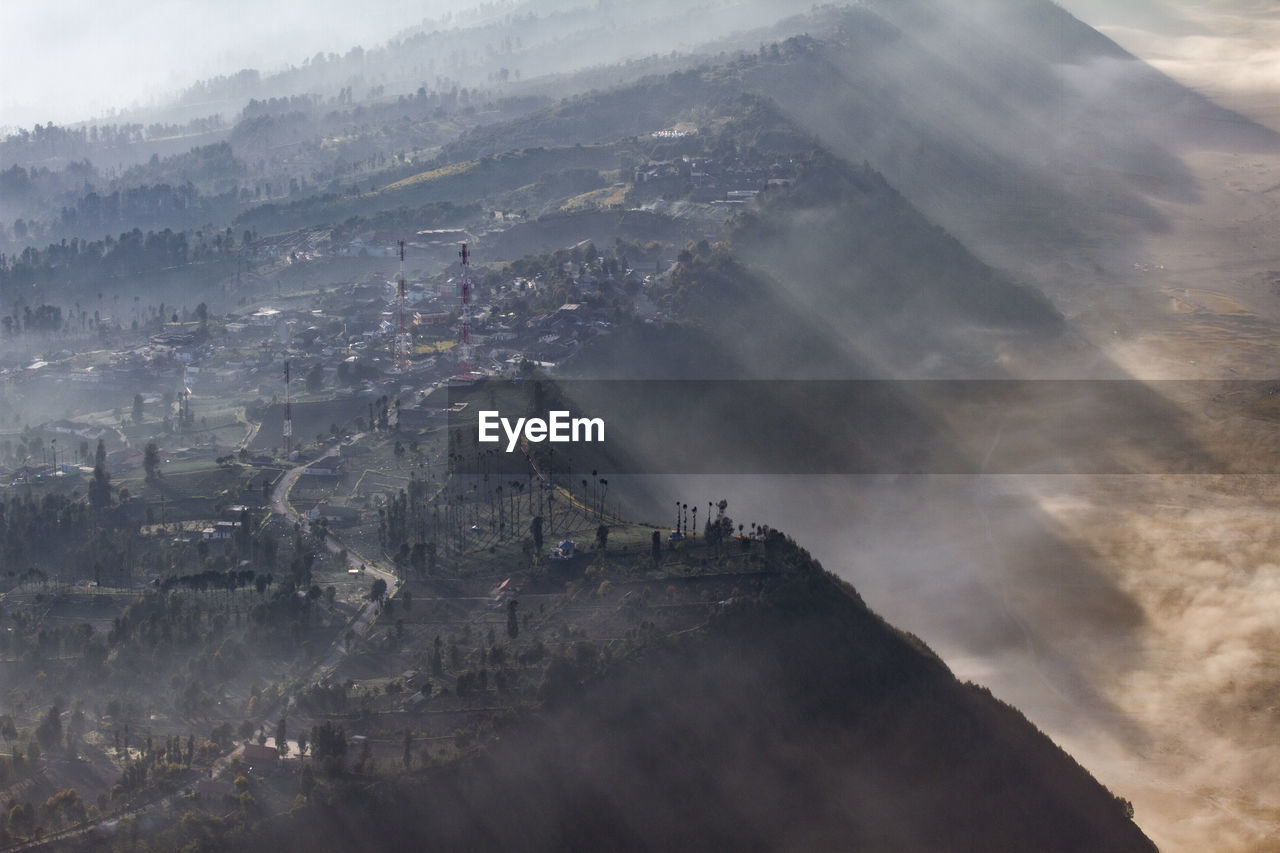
981 569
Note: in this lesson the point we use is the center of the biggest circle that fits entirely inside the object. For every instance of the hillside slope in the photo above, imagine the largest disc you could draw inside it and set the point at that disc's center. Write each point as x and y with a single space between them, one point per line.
796 720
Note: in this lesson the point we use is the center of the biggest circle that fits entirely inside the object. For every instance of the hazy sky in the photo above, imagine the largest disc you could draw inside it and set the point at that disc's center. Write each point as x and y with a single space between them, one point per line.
66 60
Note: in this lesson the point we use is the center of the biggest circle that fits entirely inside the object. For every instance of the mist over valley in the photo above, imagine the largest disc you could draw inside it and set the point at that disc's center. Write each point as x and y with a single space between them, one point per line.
932 345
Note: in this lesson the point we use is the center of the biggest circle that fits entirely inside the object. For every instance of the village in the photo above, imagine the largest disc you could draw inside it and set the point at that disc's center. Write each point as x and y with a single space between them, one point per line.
268 497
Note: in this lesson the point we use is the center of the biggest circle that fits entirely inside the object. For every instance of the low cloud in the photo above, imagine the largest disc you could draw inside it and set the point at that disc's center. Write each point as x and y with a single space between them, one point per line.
1229 49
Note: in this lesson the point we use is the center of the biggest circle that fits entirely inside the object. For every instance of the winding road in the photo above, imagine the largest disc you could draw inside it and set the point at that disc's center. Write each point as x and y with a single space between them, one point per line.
364 619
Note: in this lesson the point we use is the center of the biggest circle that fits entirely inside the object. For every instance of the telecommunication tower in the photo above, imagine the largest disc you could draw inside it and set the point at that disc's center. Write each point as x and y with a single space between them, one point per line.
404 338
288 414
464 328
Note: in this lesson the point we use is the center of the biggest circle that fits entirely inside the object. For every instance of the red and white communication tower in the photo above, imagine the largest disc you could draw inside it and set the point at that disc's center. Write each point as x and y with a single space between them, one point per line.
404 337
288 414
464 328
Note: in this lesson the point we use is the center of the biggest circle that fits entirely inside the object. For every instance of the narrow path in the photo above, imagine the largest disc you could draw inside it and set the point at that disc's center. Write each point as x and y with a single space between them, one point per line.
364 619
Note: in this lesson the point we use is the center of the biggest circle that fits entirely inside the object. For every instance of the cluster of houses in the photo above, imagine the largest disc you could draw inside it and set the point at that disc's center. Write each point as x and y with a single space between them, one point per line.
347 338
708 180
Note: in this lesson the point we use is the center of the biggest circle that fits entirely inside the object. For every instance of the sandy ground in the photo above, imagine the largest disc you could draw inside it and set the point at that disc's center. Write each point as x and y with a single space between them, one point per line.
1133 618
1208 291
1144 632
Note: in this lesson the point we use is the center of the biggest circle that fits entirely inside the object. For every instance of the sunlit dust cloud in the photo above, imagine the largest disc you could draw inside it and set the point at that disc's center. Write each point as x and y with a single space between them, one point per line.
1226 49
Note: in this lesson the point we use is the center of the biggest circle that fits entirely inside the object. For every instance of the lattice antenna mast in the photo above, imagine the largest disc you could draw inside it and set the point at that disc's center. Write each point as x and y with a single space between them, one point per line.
464 330
288 414
404 337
